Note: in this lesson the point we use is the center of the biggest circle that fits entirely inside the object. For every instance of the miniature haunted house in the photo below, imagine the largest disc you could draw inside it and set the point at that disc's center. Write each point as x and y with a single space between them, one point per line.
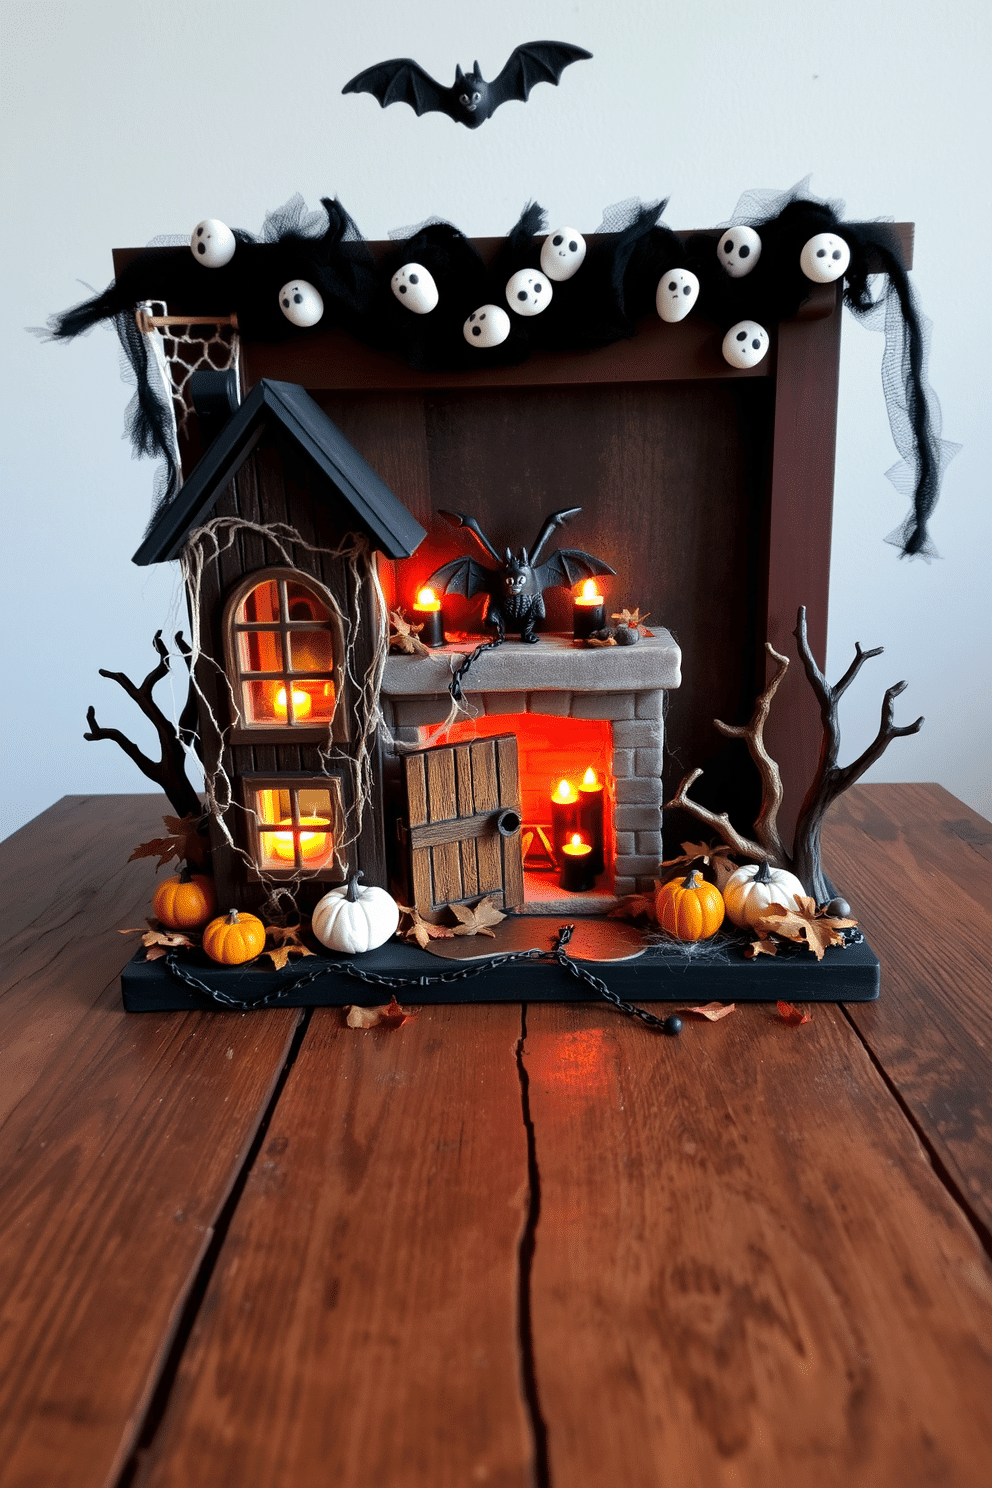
289 639
510 771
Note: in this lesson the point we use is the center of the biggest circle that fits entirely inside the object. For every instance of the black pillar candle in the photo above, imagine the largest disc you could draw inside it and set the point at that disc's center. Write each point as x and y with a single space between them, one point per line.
587 616
576 866
566 816
591 794
427 612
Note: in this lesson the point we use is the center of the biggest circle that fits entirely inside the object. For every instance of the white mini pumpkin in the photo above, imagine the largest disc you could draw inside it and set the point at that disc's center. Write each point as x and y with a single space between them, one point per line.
354 918
754 887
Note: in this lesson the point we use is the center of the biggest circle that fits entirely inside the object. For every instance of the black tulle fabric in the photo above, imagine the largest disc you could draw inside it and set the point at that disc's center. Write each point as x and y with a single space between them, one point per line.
604 302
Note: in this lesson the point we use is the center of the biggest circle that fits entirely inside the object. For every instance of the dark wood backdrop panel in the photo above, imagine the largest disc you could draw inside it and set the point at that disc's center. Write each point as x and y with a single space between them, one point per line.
745 499
671 478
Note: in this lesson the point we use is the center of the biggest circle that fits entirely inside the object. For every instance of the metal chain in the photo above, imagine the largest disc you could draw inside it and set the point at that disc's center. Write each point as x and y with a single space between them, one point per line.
565 961
394 984
455 685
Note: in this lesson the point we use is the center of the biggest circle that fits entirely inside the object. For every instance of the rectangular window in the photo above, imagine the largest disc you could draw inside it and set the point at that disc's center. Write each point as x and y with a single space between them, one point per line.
296 824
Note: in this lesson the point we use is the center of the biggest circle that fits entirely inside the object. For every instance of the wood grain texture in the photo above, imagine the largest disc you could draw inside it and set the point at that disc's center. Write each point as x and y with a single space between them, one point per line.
360 1328
120 1138
746 1270
911 859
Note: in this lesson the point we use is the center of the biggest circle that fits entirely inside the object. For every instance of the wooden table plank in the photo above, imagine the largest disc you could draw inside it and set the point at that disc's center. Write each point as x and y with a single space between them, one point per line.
361 1326
746 1271
120 1139
911 860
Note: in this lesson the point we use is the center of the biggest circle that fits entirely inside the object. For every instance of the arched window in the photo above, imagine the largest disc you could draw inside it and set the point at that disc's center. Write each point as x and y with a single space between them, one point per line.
284 653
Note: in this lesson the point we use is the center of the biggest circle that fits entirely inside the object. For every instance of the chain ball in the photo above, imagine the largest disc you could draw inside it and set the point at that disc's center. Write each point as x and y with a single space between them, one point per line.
839 908
672 1024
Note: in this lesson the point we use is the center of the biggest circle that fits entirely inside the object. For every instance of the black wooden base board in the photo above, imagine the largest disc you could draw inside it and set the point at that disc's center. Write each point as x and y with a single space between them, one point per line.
850 974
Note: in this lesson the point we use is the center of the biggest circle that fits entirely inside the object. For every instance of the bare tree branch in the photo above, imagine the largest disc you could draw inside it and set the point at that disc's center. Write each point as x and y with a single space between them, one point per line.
830 781
719 820
169 772
766 822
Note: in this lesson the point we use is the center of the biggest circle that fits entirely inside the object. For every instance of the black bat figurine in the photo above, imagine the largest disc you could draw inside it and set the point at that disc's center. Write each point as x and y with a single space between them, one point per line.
515 589
471 100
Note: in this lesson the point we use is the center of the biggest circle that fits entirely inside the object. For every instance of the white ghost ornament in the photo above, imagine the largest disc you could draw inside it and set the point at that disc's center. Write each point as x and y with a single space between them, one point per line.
414 287
745 344
301 303
487 326
528 292
212 243
678 291
738 250
562 254
825 258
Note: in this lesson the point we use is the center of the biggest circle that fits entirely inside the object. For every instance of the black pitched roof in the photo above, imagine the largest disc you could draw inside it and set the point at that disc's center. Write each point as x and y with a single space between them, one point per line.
374 509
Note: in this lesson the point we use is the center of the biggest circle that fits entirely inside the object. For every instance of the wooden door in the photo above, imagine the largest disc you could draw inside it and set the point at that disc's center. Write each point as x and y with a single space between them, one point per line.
463 824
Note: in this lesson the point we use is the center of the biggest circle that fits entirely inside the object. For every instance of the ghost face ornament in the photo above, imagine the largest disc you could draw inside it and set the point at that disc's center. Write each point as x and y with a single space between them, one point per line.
414 287
739 250
677 292
825 258
212 243
528 292
745 344
301 303
562 254
487 326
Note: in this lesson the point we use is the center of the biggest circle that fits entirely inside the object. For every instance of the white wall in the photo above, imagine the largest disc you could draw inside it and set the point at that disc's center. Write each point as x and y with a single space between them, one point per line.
126 121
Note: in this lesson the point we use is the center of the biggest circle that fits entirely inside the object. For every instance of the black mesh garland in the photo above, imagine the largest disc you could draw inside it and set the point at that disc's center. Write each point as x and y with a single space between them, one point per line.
604 302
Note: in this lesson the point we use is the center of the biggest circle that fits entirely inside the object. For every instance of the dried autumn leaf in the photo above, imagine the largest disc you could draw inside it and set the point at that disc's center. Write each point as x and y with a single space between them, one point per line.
632 907
713 1011
591 641
185 841
633 618
403 636
391 1014
692 852
422 931
478 920
158 943
764 946
789 1013
802 924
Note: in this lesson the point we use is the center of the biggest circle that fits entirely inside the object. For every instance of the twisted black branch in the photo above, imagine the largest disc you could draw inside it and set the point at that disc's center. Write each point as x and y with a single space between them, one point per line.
831 780
169 772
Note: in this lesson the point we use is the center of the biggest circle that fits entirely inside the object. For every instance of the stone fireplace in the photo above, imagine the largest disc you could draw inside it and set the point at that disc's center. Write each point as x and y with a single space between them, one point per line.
569 707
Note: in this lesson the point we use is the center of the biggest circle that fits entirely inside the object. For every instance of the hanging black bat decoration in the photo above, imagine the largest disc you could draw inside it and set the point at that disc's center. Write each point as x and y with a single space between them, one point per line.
516 588
471 100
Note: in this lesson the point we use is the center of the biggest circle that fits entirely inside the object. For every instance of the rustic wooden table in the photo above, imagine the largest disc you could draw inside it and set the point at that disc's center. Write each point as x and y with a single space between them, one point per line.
501 1245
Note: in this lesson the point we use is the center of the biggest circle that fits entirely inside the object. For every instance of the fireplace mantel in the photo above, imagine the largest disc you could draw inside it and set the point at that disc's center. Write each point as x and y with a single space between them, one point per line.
553 664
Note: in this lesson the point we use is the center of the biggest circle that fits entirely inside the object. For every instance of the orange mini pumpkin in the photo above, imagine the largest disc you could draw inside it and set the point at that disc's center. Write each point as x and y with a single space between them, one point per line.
690 908
234 938
186 901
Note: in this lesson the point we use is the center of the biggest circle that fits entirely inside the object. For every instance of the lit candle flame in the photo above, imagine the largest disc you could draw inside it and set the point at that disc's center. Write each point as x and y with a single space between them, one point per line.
427 600
589 778
588 594
302 703
564 792
576 840
312 844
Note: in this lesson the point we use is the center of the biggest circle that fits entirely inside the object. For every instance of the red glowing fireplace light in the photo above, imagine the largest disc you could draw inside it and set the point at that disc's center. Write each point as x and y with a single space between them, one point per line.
566 781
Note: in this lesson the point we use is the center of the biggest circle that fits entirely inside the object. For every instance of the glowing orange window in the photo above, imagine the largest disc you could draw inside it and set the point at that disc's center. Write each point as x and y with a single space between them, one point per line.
284 650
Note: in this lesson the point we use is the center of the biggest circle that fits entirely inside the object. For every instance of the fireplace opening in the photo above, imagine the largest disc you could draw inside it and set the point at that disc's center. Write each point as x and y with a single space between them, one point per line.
567 800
